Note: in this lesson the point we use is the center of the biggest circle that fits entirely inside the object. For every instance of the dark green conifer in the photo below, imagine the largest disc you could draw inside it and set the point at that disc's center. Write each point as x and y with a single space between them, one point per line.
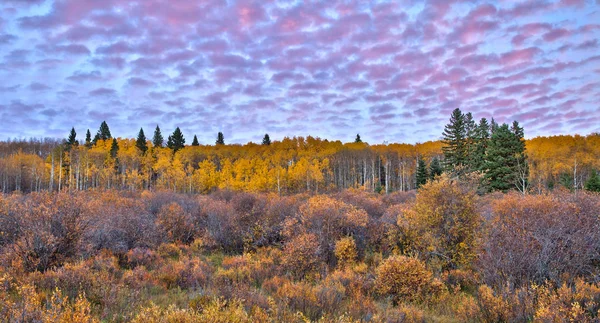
266 140
422 175
220 139
435 168
141 142
195 141
157 140
176 141
88 139
455 142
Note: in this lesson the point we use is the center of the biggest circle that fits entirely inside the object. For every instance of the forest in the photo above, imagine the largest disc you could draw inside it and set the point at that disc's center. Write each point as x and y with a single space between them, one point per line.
480 226
292 165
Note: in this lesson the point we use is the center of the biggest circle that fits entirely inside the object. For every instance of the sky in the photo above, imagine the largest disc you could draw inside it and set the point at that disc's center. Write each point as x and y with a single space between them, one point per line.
392 71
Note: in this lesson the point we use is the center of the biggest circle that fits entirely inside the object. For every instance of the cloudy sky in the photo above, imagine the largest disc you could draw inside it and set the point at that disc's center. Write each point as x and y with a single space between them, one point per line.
389 70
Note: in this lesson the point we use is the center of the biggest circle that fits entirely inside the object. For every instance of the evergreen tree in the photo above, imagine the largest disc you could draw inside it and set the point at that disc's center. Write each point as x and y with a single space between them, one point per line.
72 140
435 168
481 137
157 140
114 148
593 183
455 142
103 133
506 162
357 140
220 139
141 142
195 141
493 126
176 140
522 167
88 139
422 175
266 140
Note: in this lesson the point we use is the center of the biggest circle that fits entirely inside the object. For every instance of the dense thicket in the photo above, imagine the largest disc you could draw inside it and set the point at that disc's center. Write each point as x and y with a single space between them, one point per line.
445 254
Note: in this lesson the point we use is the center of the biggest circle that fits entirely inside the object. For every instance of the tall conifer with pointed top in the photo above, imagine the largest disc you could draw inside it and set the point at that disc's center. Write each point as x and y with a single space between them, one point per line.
176 141
72 140
455 142
157 140
195 141
141 142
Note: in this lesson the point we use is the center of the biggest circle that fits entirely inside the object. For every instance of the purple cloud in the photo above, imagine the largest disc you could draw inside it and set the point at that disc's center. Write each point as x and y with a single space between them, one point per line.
320 68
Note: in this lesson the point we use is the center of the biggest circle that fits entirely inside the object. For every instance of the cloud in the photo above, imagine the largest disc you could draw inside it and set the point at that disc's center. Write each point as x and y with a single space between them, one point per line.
324 68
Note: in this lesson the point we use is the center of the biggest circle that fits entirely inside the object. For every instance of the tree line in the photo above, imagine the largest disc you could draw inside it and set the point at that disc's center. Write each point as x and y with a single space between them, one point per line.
493 157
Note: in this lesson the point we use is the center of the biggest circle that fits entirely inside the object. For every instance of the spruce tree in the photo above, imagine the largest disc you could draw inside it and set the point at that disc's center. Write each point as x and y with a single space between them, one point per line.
266 140
195 141
72 140
114 148
422 175
435 168
103 132
176 140
357 139
481 137
220 139
88 139
521 167
141 142
593 183
157 140
506 162
455 142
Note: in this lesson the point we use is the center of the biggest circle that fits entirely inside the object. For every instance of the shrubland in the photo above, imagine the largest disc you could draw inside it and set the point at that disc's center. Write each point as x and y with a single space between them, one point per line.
443 254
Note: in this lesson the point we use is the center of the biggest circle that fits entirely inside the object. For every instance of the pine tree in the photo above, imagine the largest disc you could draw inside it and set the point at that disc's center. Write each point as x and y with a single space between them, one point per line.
72 140
220 139
103 133
422 175
357 139
176 140
455 142
88 139
435 168
195 141
114 148
593 183
141 142
266 140
157 140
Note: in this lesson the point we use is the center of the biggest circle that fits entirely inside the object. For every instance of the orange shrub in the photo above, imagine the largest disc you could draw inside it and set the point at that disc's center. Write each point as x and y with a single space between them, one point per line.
403 278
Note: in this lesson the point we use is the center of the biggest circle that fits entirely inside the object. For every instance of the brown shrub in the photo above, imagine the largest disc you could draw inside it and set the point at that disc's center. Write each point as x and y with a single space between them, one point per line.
535 238
301 255
176 224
